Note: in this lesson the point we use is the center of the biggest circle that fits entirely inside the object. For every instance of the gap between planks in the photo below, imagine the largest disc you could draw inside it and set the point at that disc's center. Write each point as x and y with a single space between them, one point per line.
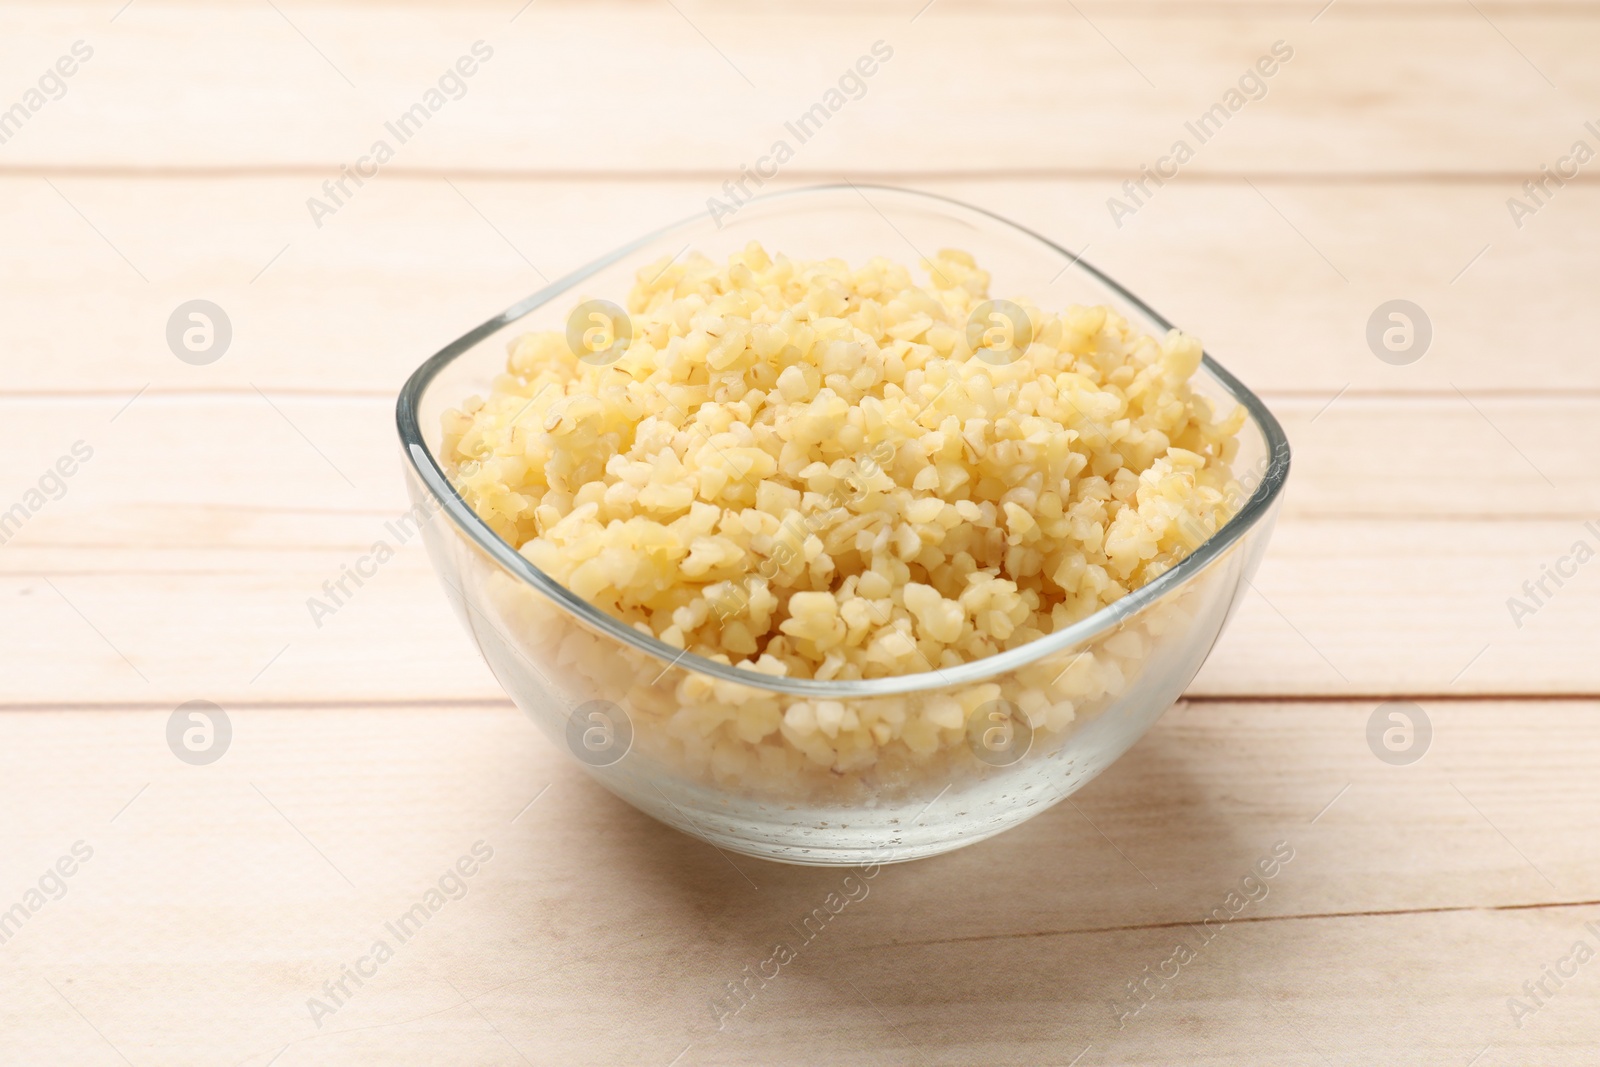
1573 395
1178 924
1129 9
1111 10
446 704
798 175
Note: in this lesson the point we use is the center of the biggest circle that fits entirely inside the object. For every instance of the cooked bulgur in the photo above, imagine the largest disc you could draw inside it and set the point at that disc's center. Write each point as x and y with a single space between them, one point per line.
828 472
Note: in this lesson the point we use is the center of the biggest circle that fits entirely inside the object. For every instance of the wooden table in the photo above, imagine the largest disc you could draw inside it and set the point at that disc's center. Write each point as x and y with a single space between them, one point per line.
209 905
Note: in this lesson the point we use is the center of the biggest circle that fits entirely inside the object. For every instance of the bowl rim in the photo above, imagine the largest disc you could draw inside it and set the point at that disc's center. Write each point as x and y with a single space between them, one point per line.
432 476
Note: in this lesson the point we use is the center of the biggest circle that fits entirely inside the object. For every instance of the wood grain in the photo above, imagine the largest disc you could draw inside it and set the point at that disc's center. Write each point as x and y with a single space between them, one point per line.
1042 88
369 754
1339 607
232 510
413 263
205 920
250 454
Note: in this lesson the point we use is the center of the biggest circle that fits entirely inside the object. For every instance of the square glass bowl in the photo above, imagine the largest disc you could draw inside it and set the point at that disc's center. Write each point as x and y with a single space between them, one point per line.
660 728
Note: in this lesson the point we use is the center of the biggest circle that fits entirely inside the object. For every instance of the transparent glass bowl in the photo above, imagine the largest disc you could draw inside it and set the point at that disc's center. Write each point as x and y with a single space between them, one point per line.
635 712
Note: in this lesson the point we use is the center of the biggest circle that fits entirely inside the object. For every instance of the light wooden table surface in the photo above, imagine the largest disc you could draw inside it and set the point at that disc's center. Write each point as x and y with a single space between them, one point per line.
369 755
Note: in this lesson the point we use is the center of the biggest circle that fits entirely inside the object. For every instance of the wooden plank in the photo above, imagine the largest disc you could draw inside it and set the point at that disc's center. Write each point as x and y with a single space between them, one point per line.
1389 608
1333 603
1334 600
220 898
1370 90
411 265
286 471
230 512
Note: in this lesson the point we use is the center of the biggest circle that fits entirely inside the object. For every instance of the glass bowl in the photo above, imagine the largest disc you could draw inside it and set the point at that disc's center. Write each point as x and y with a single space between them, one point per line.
660 727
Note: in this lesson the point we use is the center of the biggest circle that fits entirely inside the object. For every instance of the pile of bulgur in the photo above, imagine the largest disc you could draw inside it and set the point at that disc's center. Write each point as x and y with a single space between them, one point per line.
809 469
